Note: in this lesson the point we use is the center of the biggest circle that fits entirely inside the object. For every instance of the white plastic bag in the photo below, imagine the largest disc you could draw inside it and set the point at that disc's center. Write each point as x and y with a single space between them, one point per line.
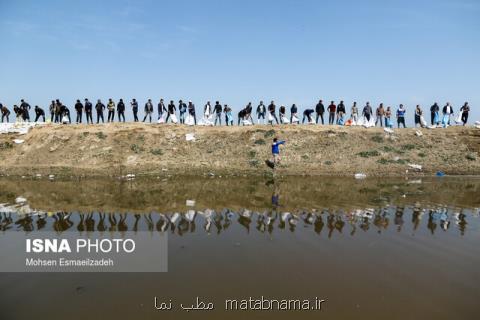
270 117
423 123
174 118
458 119
295 119
189 120
285 120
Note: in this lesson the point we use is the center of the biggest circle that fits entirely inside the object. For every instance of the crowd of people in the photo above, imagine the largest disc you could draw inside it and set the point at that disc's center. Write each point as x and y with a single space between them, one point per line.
213 115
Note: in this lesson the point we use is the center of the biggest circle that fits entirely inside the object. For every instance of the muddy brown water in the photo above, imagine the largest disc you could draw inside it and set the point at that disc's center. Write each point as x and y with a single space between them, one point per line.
373 248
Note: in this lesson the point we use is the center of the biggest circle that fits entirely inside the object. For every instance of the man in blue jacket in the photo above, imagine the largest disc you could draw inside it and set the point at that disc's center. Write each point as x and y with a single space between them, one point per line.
276 151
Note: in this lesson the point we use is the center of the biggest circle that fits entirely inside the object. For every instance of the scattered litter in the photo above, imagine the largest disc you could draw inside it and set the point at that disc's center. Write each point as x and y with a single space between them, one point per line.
190 136
38 175
415 181
415 166
440 173
432 127
419 133
17 127
20 200
190 203
51 177
18 141
388 130
211 174
360 175
477 126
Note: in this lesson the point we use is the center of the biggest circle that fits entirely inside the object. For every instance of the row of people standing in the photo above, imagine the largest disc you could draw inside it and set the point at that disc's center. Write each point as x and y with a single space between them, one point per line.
337 114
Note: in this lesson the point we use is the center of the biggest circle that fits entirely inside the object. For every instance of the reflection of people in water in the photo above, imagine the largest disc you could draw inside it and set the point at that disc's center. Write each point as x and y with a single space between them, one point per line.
265 221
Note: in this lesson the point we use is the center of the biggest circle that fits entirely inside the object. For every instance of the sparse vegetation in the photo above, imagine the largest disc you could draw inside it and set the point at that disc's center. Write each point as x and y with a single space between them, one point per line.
136 148
260 142
408 147
269 133
378 139
471 156
156 152
101 135
368 154
6 145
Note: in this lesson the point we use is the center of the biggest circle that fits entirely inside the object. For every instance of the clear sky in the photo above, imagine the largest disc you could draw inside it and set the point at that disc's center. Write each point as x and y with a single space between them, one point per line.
239 51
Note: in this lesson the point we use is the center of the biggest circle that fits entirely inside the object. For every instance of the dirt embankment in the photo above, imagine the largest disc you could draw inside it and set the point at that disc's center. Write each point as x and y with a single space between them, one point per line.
119 149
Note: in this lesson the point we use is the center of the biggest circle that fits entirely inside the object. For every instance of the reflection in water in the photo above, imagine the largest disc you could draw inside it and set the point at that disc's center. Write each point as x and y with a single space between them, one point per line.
264 222
274 205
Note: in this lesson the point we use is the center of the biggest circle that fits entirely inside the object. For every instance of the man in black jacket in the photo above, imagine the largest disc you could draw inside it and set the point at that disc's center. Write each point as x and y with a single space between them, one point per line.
320 110
218 113
39 113
5 112
148 110
191 111
25 107
79 110
88 110
271 109
121 110
171 110
161 108
134 105
100 107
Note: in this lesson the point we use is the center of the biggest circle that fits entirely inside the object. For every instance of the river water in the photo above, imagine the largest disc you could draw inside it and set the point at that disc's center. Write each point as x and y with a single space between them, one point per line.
372 248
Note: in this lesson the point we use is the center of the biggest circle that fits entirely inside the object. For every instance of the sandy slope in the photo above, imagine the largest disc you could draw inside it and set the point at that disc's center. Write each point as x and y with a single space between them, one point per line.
118 149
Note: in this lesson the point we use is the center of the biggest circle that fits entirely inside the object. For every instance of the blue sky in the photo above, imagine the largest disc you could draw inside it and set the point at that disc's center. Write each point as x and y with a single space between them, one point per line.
239 51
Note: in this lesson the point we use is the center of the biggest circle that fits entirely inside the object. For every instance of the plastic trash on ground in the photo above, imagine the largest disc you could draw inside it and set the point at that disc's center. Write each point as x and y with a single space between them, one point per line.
440 174
418 133
247 122
190 136
18 141
20 200
388 130
360 175
415 166
190 203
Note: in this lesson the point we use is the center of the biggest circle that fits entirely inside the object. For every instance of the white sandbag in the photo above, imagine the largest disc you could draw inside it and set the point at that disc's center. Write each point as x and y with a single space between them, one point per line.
415 166
206 121
458 119
312 121
190 136
295 119
423 123
162 118
174 118
189 120
285 120
270 117
190 203
247 122
65 120
360 175
388 130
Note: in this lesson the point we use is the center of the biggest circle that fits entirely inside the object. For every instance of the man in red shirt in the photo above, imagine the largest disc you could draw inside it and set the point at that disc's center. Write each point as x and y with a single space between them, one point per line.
331 109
